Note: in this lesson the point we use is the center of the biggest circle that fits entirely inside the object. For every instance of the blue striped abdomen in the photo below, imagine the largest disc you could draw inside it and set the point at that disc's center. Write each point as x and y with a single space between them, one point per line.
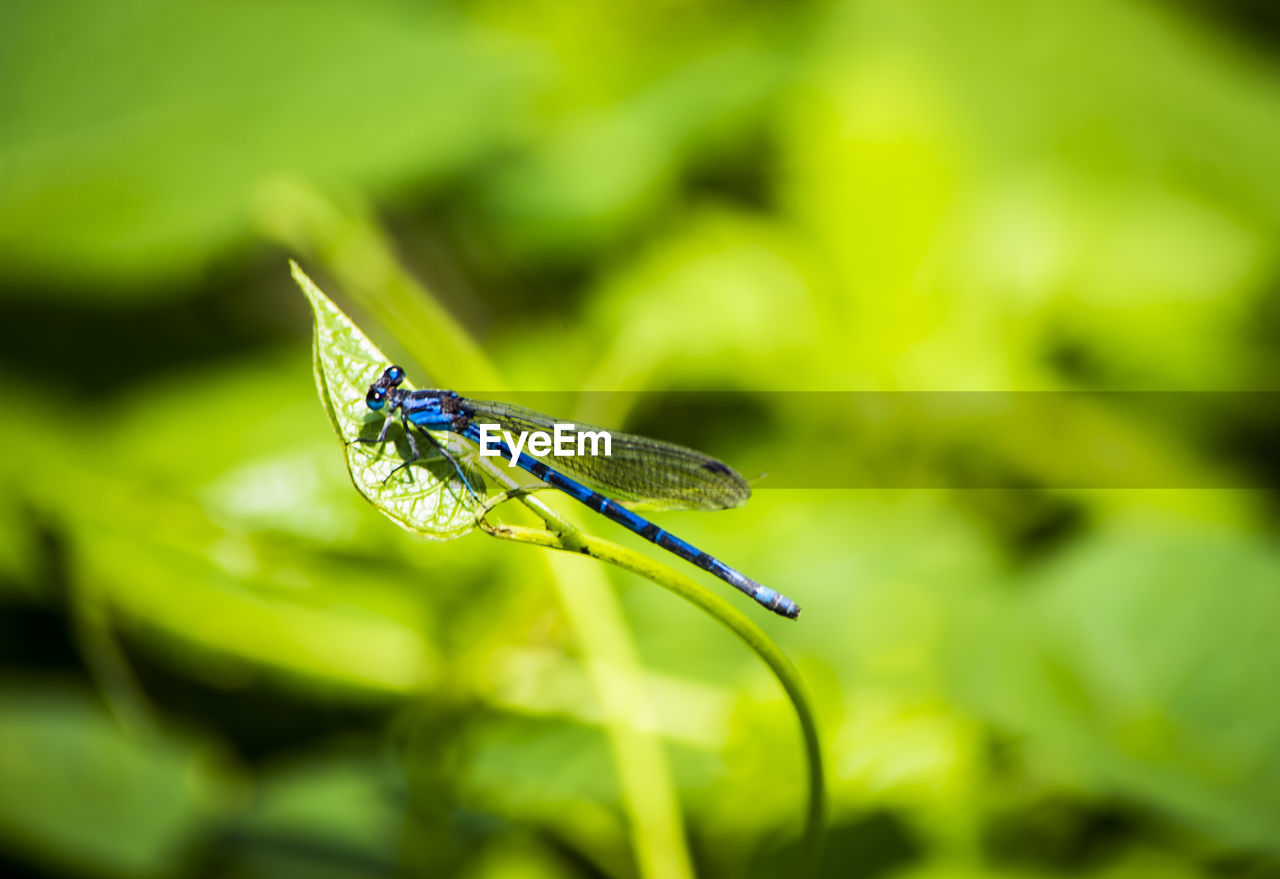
605 506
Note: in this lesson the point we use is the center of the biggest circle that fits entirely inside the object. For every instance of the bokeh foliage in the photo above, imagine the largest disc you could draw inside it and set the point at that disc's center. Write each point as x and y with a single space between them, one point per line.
219 661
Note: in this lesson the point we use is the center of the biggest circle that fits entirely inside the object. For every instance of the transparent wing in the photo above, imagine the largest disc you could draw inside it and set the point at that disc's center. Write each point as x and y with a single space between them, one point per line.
639 470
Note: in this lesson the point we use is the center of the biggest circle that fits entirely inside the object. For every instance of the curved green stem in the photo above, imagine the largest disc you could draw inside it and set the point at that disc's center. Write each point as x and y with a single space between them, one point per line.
569 539
612 664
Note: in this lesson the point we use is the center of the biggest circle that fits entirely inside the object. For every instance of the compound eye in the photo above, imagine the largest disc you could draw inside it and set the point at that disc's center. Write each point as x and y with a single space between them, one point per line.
393 376
375 398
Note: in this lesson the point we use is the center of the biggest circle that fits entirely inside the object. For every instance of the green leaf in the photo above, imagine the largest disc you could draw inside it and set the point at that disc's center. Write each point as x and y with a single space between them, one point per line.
1144 666
147 126
94 801
428 497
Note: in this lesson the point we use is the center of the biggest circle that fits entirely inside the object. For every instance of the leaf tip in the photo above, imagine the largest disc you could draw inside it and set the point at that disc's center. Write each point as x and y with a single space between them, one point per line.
298 274
309 289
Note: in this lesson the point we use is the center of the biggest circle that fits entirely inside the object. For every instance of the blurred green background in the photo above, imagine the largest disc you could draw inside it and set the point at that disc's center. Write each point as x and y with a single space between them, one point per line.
217 660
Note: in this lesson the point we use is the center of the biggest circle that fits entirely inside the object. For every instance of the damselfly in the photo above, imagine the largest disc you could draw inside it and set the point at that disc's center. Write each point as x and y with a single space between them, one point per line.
636 470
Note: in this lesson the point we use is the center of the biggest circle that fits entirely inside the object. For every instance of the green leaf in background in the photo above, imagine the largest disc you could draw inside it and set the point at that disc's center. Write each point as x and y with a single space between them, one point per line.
1144 666
115 159
95 798
427 498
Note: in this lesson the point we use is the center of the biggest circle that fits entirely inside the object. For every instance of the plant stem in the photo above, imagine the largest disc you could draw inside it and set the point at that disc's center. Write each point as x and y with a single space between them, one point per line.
569 539
611 663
